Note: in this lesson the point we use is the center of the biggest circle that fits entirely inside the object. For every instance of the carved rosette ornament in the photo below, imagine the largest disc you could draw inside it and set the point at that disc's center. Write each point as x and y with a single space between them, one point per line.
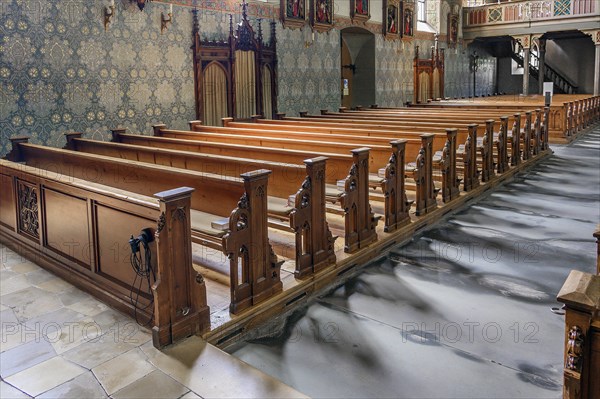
28 209
574 349
162 221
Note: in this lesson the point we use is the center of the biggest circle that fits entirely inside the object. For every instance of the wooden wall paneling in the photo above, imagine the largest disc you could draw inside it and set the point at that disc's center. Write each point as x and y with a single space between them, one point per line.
8 210
66 235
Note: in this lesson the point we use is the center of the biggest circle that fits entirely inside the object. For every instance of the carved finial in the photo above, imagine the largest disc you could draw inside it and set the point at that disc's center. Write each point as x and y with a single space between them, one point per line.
273 33
196 26
260 34
244 9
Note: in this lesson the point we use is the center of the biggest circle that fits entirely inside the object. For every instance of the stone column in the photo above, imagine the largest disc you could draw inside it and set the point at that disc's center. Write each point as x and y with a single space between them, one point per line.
597 68
526 55
542 65
595 35
525 42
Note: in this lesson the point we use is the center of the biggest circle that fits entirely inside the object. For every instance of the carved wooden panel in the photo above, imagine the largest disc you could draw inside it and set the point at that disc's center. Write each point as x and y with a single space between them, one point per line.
28 203
7 202
224 51
67 235
113 229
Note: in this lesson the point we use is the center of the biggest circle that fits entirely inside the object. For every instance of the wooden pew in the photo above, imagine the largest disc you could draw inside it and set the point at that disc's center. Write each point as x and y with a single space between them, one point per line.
424 120
487 163
254 268
405 123
446 141
538 132
363 135
359 219
391 123
301 142
412 146
515 154
567 114
581 372
425 191
284 181
75 228
263 152
379 153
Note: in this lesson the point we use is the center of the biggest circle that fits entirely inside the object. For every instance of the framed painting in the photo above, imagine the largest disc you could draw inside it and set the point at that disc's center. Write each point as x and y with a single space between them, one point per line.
391 12
452 29
360 10
293 13
321 15
408 20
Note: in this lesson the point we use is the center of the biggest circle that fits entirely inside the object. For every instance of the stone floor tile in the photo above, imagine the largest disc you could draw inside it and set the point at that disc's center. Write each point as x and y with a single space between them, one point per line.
74 335
6 273
25 267
30 302
130 332
190 395
193 357
9 392
121 371
13 335
110 319
89 306
39 276
73 296
156 385
8 316
55 285
49 322
94 353
25 356
45 376
15 283
83 387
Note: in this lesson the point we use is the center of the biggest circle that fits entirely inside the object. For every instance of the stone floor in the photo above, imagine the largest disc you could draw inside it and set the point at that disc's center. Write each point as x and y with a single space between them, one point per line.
465 309
59 342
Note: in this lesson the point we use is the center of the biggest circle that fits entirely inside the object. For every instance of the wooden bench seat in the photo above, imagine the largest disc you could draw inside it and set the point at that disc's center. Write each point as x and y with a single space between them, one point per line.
49 215
373 141
285 180
379 153
221 196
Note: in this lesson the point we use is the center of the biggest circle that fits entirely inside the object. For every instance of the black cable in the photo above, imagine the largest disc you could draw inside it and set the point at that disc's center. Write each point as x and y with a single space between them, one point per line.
143 272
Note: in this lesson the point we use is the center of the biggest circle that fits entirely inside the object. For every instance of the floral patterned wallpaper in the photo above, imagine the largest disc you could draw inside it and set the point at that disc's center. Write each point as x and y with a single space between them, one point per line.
61 71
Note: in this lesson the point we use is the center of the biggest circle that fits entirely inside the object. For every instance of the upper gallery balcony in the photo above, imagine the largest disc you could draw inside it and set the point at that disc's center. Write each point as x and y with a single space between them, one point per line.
530 17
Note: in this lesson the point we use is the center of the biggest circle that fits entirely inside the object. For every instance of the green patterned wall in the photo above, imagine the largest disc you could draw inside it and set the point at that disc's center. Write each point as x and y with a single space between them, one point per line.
60 71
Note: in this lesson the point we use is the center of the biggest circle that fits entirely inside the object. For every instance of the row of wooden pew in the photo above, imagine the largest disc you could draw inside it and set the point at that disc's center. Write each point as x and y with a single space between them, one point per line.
569 114
242 187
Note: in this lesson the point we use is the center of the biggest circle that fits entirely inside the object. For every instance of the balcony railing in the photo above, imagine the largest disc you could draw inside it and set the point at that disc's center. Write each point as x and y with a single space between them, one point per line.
527 11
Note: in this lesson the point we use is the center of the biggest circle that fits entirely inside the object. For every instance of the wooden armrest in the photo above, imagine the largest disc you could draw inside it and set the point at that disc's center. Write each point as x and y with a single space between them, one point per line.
203 222
375 179
279 206
332 191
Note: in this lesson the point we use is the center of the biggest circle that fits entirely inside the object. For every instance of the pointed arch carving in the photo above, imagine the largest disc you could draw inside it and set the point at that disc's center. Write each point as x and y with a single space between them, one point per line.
243 56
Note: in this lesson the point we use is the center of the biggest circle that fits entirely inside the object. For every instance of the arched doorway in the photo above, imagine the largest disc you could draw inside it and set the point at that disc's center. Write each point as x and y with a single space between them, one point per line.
358 67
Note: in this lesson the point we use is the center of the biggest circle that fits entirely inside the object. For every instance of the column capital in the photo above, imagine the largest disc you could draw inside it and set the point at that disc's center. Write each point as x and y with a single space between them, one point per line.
541 43
525 40
594 34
